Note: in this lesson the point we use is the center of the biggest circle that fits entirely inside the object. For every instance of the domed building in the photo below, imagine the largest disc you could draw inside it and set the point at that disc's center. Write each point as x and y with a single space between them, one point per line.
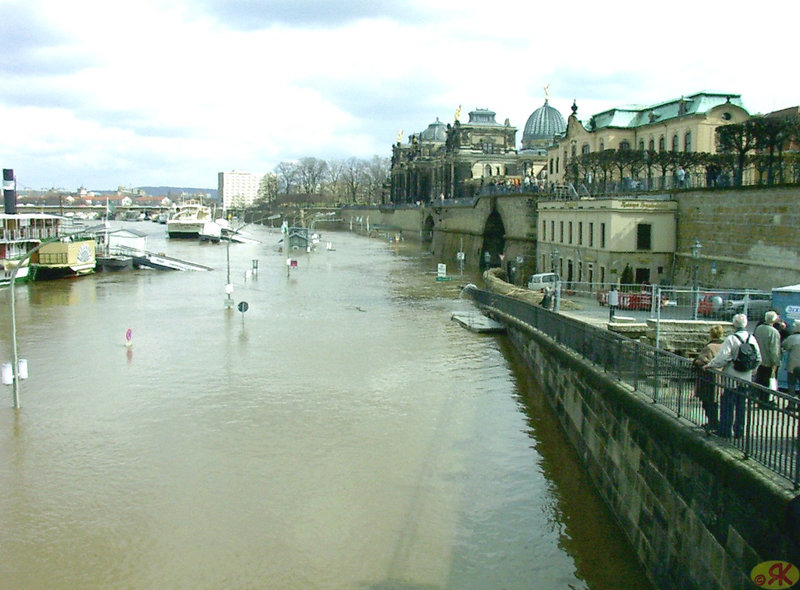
544 124
453 161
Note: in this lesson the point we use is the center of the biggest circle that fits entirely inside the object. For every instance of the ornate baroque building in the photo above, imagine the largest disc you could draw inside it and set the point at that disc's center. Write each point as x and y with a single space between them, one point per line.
453 161
687 124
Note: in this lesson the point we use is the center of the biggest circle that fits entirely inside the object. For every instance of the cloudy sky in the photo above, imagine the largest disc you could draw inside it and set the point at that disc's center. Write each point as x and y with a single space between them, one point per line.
103 93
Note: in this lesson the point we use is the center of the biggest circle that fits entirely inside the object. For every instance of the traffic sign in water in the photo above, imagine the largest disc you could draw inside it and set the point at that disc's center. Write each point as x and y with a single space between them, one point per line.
243 306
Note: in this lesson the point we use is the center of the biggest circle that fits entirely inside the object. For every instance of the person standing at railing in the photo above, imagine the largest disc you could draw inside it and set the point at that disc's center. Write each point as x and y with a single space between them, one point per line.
705 387
769 343
733 402
792 346
613 302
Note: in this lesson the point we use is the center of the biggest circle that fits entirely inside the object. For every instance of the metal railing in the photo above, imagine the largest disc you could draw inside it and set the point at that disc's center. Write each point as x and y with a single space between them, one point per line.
672 302
767 433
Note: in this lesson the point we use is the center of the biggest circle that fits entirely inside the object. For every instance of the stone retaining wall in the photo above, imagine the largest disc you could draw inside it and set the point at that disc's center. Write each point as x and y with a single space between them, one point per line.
697 516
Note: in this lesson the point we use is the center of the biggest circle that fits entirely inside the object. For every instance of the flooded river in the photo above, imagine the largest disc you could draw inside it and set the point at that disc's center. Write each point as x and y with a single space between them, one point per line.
343 432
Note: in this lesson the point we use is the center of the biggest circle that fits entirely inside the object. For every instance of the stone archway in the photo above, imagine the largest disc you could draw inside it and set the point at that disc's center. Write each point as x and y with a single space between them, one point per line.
427 230
494 241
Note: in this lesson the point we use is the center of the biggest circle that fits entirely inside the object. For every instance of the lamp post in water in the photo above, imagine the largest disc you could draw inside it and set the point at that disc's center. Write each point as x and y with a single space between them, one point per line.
13 309
696 247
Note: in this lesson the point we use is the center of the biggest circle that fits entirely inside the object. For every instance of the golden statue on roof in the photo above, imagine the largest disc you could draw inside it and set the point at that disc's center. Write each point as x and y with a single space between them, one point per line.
547 92
458 113
400 136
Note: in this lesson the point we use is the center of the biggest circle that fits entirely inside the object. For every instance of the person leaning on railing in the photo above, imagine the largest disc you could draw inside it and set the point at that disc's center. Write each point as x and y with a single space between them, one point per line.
706 389
732 403
792 346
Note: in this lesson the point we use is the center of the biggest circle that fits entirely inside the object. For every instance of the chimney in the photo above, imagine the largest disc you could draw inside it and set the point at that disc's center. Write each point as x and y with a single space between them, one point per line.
9 191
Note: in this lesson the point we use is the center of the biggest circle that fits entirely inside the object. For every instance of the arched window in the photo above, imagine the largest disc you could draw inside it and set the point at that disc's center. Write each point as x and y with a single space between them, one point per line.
551 165
585 149
556 165
641 145
574 150
624 145
675 143
687 142
652 145
661 144
487 170
602 146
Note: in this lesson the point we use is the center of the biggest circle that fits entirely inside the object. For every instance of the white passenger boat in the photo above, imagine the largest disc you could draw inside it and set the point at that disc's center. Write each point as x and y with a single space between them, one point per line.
189 219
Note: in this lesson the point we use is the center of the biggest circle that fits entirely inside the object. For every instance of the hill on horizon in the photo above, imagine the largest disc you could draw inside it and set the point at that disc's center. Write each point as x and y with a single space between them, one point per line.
157 191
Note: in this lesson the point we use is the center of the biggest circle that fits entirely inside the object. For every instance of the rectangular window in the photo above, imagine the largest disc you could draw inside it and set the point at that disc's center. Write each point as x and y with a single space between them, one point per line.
580 233
602 235
570 232
643 236
591 234
544 229
561 231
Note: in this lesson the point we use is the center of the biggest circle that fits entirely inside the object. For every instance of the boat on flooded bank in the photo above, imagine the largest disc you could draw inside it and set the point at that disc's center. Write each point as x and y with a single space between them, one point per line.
21 233
189 219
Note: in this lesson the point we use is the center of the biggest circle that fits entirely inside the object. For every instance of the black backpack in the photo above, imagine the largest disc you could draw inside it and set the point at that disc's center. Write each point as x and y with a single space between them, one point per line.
747 358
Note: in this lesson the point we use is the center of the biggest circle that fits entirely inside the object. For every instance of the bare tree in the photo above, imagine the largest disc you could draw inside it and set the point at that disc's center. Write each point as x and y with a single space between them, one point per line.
288 175
377 173
311 173
268 188
353 178
334 177
738 139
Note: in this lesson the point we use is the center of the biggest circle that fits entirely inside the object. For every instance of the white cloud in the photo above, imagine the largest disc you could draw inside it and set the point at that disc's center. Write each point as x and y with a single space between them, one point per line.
105 93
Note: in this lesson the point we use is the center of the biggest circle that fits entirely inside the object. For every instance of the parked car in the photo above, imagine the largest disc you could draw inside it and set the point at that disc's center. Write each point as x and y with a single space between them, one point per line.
543 280
723 305
755 305
711 305
636 300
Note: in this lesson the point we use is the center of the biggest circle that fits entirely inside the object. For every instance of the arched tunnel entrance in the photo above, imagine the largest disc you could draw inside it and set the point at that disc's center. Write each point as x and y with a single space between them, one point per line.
494 241
427 231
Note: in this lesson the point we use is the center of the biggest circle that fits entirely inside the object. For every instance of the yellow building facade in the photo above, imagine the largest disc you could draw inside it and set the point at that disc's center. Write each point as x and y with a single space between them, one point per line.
687 124
592 240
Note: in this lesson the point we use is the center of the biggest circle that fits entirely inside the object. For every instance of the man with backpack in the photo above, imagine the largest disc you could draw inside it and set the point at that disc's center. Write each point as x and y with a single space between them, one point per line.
738 356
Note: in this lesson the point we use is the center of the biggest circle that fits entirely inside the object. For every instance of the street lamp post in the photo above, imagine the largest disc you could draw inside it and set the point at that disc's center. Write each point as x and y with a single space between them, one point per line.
13 309
696 247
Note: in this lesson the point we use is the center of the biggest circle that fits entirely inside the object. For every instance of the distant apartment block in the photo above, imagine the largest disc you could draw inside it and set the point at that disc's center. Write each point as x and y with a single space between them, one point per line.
238 189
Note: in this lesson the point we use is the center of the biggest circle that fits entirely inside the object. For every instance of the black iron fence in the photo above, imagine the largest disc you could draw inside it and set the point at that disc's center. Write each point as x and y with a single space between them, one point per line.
764 431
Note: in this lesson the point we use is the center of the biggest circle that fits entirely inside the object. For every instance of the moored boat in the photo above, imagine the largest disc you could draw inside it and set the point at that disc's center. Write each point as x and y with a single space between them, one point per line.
211 232
188 219
70 256
21 233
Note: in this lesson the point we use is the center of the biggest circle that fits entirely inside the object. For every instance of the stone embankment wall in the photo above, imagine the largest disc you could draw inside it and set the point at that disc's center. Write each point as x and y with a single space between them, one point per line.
750 235
696 514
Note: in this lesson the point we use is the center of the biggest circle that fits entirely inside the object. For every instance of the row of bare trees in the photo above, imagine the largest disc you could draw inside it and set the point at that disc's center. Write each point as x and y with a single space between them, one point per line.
350 181
767 146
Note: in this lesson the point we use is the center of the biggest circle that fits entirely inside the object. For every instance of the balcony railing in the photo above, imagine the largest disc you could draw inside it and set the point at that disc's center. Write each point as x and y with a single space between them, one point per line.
770 433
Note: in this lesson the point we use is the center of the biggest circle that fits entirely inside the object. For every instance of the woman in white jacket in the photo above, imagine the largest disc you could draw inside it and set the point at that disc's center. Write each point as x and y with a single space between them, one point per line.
732 403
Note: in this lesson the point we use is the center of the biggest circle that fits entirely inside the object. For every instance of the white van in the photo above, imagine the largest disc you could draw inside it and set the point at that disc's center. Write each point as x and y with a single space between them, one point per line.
543 280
